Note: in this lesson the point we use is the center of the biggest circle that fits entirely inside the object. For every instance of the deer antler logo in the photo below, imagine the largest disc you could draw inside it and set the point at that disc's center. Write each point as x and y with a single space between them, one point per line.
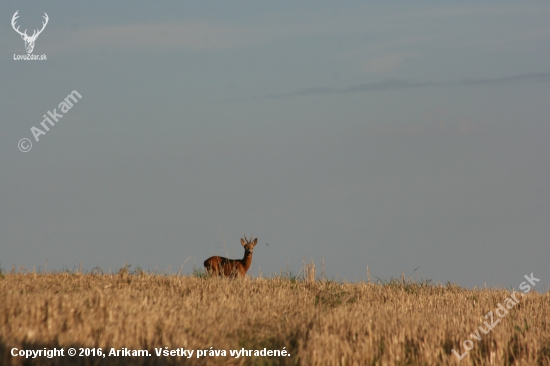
29 41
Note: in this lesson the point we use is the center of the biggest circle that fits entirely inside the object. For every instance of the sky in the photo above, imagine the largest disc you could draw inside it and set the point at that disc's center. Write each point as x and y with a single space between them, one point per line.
398 137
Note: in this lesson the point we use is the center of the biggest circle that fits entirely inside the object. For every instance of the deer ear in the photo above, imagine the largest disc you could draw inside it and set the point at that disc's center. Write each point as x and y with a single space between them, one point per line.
255 241
243 242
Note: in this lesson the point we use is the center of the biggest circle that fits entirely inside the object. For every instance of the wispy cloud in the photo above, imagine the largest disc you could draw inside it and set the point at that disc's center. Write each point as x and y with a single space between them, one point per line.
515 79
398 84
386 63
190 35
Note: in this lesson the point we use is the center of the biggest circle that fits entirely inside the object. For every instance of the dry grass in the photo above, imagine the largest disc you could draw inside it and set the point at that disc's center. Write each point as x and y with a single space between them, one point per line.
319 322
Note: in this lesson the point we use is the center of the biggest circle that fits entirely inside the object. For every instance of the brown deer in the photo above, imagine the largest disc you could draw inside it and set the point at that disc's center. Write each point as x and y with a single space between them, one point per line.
232 267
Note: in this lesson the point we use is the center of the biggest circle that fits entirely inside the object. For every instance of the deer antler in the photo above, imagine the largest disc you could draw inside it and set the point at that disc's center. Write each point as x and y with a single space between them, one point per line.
46 18
245 239
13 19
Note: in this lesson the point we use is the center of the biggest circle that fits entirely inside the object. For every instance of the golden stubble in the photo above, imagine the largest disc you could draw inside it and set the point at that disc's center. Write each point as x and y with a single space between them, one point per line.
319 322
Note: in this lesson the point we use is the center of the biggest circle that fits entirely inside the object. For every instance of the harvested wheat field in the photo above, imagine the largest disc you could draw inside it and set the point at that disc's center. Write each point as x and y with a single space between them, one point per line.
299 322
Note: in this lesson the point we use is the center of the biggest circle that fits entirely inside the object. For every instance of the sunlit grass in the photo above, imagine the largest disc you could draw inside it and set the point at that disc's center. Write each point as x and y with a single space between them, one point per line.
319 322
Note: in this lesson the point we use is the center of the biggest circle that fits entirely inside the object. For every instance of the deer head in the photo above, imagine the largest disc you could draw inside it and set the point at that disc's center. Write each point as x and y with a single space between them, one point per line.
248 245
29 41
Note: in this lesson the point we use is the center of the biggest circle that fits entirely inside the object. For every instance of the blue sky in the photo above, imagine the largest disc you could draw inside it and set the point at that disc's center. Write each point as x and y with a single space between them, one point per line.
392 136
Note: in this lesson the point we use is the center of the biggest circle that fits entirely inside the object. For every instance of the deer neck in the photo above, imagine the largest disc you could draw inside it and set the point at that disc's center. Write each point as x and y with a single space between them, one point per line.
246 261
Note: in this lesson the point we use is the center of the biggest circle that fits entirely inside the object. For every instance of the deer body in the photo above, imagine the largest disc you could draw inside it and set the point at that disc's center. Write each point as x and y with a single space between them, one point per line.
226 267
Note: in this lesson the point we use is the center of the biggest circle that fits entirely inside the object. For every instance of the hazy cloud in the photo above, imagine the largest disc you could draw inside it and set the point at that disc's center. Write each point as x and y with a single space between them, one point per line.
515 79
386 63
397 84
191 35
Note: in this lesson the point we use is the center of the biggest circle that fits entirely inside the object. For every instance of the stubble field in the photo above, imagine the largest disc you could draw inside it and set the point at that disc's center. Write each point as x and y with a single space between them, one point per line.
315 322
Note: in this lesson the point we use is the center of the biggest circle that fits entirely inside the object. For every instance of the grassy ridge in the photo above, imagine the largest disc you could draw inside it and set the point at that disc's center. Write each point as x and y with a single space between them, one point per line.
318 322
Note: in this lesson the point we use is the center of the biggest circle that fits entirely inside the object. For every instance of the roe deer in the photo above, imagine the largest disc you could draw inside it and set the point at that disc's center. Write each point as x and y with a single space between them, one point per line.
232 267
